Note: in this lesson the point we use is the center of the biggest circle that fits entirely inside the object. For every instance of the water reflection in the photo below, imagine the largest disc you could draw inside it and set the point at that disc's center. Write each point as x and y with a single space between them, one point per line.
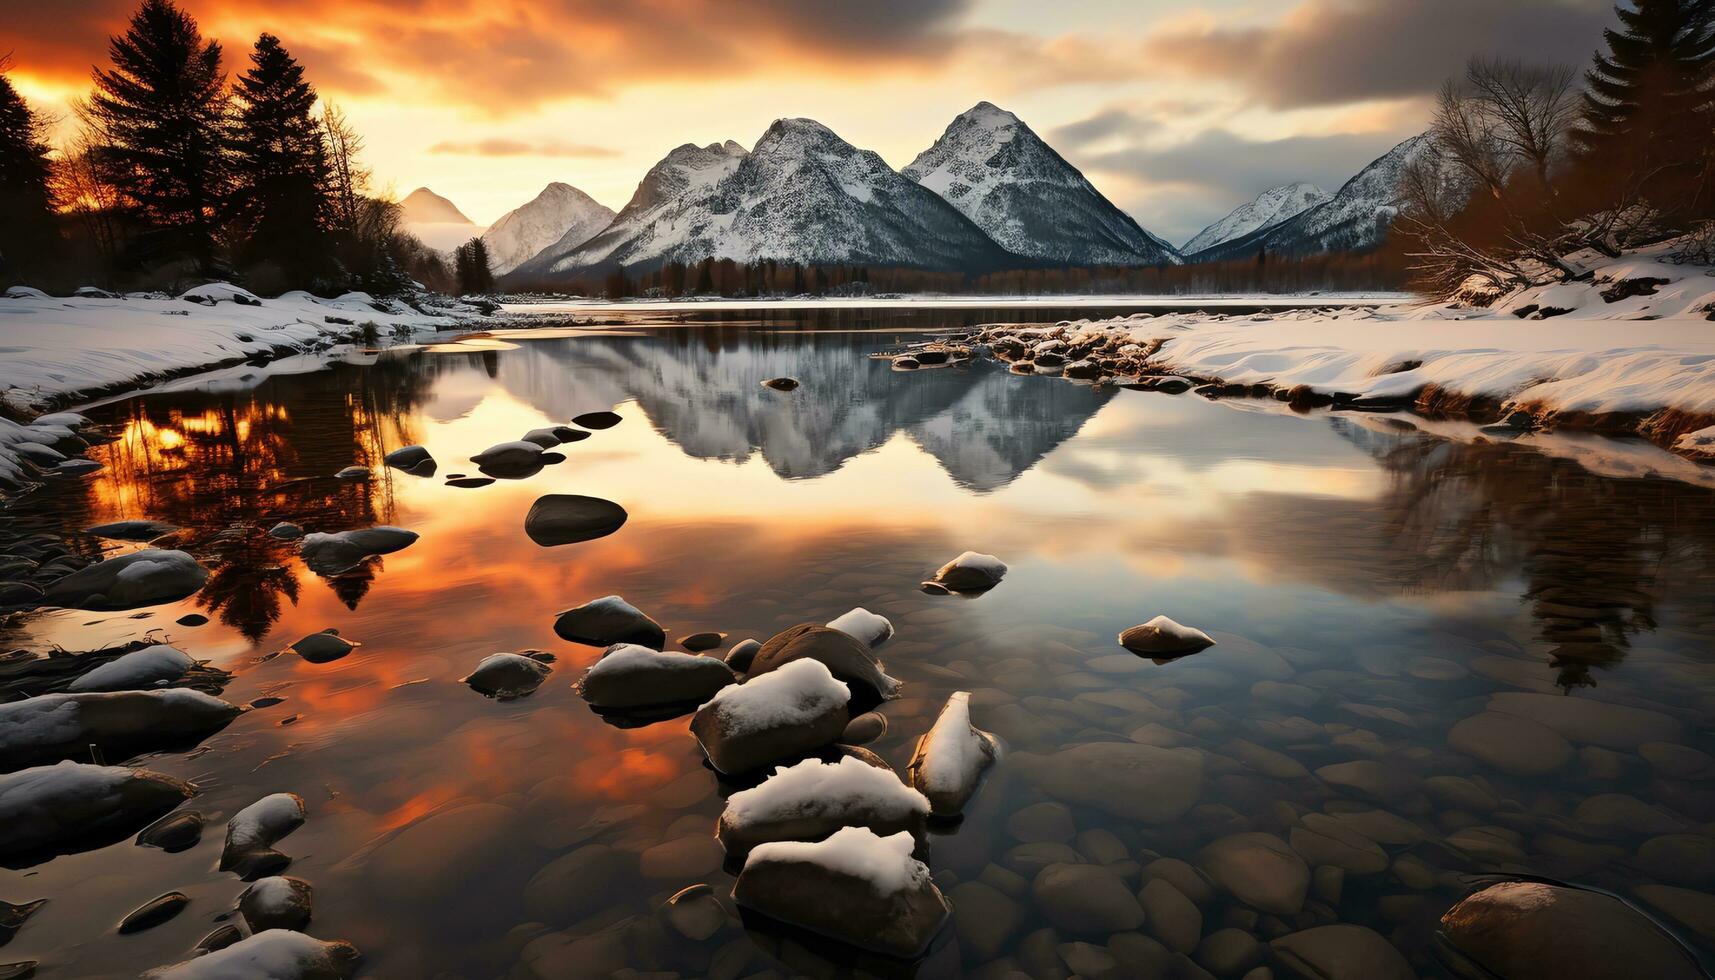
1370 586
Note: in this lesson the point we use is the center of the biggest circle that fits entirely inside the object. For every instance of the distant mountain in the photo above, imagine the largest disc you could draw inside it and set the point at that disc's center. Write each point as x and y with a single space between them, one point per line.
560 214
1270 208
1356 218
436 221
997 172
801 194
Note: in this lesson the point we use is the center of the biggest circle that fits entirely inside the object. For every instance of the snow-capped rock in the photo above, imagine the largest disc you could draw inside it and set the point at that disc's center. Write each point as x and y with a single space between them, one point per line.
53 726
71 806
951 758
801 195
253 831
560 215
1270 208
813 799
135 671
997 172
276 954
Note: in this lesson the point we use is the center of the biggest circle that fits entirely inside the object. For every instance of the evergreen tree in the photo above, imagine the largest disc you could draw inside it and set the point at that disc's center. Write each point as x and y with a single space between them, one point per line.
472 268
281 199
1647 110
28 234
161 118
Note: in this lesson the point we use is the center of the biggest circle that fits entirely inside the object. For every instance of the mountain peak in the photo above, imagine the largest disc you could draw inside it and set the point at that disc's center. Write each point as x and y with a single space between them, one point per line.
1269 208
424 206
987 114
558 214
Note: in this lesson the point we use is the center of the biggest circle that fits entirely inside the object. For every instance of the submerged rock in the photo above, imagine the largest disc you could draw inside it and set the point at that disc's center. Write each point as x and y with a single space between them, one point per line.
1526 930
134 671
632 676
695 913
1086 899
1258 869
1162 637
951 758
608 621
72 806
324 647
173 833
506 676
811 800
563 518
154 912
142 578
253 831
135 530
277 903
597 420
55 726
864 729
1346 952
971 572
1146 783
864 626
854 887
278 954
845 657
341 551
783 714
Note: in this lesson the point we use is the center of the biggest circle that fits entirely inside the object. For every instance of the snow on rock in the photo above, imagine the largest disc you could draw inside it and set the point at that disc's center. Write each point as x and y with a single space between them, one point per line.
855 887
1270 208
813 799
253 831
633 676
1162 637
277 954
560 213
971 572
845 657
951 758
1698 445
341 551
788 712
52 726
142 578
868 628
136 670
71 806
277 902
608 621
505 676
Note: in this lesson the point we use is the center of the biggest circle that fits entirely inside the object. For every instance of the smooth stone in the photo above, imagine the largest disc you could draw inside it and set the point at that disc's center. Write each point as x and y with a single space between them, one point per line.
864 729
277 954
1678 761
574 885
154 912
138 670
71 806
608 621
596 420
847 659
219 939
813 799
1228 952
1145 783
870 629
192 619
1162 637
951 758
971 572
323 647
286 531
1684 859
563 518
509 455
628 677
1536 931
1258 869
277 903
1169 916
1323 840
698 642
173 833
695 913
142 578
1045 821
341 551
1085 899
743 654
252 832
1190 882
1585 721
781 384
1692 909
984 918
1619 815
1379 782
408 457
1516 746
684 857
743 727
133 530
505 676
547 438
50 727
1341 952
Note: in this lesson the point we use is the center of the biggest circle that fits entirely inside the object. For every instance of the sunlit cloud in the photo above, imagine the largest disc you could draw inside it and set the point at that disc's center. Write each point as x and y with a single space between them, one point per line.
502 147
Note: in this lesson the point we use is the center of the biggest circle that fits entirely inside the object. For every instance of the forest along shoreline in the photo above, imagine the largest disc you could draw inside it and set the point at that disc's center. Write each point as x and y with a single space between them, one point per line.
1539 359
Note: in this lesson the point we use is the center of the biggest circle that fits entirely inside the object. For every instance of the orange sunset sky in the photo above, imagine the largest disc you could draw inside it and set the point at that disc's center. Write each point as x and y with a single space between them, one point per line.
1177 111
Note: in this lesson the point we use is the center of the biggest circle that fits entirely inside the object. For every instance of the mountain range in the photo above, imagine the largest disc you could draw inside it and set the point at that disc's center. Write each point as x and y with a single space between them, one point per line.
988 195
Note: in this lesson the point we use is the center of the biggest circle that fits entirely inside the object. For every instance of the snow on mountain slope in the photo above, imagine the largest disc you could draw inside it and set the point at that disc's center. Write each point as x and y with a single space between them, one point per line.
1270 208
560 213
801 195
1002 176
436 221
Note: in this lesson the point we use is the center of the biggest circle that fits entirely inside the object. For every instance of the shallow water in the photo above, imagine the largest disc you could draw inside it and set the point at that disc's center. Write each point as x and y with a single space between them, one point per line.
1369 586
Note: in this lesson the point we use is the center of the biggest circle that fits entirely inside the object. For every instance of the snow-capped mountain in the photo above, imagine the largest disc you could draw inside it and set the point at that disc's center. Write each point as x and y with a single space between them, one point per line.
997 172
560 214
1270 208
1356 218
801 194
436 221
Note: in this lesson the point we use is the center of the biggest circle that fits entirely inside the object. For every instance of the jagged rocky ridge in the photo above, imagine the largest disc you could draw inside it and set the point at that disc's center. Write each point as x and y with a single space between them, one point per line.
561 214
1270 208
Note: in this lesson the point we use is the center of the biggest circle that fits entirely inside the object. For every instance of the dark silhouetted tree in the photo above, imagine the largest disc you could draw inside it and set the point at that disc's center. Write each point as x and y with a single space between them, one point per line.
28 231
161 119
281 174
472 268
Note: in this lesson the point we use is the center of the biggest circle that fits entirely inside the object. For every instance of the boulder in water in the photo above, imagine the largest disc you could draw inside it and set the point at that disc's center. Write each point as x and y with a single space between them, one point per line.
1146 783
1529 930
971 572
72 807
1162 637
1350 952
341 551
564 518
253 831
1260 870
142 578
505 676
952 757
508 455
135 530
409 458
546 438
154 912
56 726
175 832
278 954
135 671
779 715
743 654
597 420
608 621
845 657
324 647
629 676
864 626
811 800
781 384
854 887
277 902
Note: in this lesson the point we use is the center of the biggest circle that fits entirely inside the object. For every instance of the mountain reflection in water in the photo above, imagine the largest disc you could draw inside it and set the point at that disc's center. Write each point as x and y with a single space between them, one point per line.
1393 578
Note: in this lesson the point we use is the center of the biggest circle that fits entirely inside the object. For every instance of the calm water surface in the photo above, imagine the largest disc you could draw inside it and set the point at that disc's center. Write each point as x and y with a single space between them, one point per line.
1370 586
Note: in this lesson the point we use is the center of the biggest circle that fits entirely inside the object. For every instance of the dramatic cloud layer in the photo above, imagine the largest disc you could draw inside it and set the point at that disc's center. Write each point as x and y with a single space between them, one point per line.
501 147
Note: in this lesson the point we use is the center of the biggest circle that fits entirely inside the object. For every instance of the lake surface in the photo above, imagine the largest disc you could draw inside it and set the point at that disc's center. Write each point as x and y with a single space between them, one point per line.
1370 587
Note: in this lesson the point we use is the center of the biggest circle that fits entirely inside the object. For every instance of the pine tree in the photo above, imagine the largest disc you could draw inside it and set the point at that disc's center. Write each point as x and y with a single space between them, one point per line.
281 200
160 114
472 268
28 234
1647 110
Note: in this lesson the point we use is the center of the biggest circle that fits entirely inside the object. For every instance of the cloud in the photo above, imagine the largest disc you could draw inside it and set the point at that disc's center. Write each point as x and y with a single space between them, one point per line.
503 147
1326 52
1217 159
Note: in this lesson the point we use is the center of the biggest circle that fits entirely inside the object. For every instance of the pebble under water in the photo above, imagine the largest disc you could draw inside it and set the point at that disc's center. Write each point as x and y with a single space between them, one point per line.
1438 663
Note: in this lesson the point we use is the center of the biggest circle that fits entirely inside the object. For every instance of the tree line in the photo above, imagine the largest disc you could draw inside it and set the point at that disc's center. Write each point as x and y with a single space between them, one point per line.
1526 167
178 173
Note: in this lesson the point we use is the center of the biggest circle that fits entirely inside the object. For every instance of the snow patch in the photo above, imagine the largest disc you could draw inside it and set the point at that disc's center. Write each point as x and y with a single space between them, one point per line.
884 862
795 694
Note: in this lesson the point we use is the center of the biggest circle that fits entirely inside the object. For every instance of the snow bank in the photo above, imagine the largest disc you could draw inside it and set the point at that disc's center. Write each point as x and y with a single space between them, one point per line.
795 694
884 862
